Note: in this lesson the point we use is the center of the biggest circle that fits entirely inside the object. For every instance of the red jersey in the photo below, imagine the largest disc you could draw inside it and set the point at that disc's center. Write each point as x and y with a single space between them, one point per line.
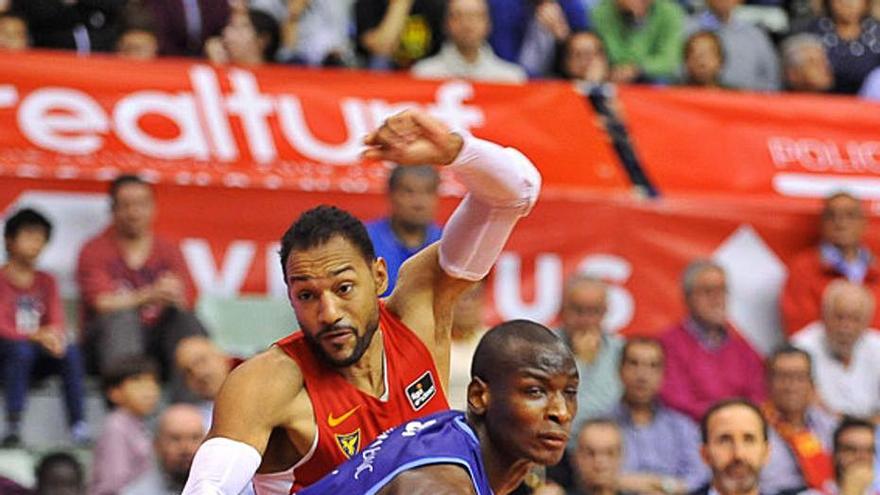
24 311
349 419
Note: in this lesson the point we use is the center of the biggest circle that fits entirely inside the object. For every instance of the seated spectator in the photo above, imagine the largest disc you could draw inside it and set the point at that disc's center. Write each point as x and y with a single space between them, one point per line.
643 38
33 336
317 33
854 455
59 473
13 32
410 226
805 64
660 446
800 431
251 38
466 54
83 25
394 34
841 253
597 353
178 436
850 36
597 458
137 295
703 60
735 447
527 33
707 360
871 87
583 59
122 452
185 25
468 326
137 39
845 350
751 61
204 367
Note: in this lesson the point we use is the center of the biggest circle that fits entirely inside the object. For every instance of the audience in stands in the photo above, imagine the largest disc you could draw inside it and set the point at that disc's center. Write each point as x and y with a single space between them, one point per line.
33 334
735 447
707 360
582 59
597 353
871 87
851 38
703 60
316 32
185 25
800 430
122 452
83 25
597 458
179 433
410 225
137 295
59 473
13 32
854 455
527 33
204 368
643 38
137 38
844 350
660 446
841 253
466 53
468 326
394 34
805 65
751 61
250 38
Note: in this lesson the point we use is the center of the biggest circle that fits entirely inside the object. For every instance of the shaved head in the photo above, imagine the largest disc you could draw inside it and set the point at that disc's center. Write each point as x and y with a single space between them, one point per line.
517 344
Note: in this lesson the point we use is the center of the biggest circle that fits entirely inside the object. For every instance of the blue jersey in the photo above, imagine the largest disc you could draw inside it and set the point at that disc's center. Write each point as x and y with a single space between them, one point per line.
441 438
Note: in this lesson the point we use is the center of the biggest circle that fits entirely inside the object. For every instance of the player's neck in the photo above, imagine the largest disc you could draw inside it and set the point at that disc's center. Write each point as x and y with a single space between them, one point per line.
368 374
505 473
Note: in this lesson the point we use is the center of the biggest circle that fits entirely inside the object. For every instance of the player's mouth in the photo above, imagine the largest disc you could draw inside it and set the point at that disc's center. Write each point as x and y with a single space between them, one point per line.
338 337
553 440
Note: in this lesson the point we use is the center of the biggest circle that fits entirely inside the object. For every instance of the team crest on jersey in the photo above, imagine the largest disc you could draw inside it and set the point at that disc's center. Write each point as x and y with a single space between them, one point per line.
349 443
420 391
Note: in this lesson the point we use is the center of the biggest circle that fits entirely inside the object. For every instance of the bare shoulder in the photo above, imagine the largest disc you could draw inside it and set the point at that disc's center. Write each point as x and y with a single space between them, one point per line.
257 397
438 479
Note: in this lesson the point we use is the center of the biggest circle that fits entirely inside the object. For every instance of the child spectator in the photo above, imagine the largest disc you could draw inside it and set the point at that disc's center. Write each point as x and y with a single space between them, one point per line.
124 449
13 32
32 336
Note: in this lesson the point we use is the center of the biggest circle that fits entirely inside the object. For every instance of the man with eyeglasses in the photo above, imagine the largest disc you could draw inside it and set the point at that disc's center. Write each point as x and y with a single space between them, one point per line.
841 253
853 460
800 430
707 360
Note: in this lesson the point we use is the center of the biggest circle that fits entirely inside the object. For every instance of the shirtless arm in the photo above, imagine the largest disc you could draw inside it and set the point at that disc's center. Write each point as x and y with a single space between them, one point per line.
440 479
502 187
256 398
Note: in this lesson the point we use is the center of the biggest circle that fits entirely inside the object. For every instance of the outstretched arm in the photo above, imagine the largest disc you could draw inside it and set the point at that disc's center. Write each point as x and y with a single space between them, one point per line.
438 479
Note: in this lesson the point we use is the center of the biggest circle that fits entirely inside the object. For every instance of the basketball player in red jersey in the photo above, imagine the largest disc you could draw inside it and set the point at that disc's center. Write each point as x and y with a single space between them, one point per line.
362 365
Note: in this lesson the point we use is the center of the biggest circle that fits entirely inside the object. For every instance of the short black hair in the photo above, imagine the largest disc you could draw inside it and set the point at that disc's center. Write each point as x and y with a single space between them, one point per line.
399 171
711 35
127 367
788 350
320 224
52 459
26 218
724 404
850 423
633 341
266 25
489 357
124 180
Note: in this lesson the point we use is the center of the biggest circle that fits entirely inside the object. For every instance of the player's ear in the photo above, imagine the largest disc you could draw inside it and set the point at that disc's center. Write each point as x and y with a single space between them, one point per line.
380 275
478 396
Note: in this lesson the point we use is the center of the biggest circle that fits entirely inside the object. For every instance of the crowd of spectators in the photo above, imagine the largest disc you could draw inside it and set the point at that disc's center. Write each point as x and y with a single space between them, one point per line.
764 45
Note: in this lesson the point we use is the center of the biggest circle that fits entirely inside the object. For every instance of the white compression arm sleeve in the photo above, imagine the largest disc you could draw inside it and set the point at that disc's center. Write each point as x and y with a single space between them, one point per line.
503 186
222 467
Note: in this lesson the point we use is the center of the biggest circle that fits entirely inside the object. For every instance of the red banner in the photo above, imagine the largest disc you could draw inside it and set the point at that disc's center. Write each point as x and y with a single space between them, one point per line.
707 142
275 127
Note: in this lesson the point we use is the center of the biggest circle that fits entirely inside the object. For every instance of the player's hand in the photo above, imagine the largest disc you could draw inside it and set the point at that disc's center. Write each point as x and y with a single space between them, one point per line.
413 137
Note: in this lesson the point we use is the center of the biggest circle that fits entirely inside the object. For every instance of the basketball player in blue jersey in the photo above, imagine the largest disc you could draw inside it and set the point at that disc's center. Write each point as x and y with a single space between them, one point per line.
521 400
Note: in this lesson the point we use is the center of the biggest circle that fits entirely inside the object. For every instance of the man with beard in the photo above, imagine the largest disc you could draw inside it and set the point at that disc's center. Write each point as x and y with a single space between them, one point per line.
177 438
298 410
521 401
735 447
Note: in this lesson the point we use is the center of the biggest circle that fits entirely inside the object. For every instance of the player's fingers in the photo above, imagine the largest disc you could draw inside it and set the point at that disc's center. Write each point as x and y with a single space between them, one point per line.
433 129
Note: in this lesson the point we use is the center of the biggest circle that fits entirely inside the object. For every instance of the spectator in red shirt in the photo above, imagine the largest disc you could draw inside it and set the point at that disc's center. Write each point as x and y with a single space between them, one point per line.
32 336
841 253
137 295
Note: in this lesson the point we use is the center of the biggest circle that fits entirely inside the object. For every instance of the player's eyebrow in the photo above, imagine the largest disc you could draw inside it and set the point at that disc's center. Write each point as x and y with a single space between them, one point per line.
335 273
